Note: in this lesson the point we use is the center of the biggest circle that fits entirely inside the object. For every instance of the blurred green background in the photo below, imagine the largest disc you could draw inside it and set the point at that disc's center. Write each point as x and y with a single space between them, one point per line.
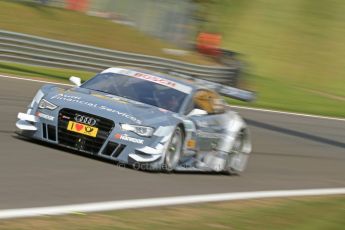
296 43
294 51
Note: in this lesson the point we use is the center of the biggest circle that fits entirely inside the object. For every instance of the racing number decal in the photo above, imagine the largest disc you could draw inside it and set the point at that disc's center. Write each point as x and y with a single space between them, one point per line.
82 128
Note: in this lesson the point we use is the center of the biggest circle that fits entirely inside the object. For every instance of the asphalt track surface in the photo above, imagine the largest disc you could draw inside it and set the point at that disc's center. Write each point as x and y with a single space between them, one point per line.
290 152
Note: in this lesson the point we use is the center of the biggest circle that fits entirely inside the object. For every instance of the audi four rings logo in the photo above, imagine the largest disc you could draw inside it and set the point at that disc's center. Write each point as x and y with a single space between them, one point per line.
84 119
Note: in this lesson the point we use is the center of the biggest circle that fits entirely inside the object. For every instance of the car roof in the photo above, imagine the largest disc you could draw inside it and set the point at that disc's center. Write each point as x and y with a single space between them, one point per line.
177 79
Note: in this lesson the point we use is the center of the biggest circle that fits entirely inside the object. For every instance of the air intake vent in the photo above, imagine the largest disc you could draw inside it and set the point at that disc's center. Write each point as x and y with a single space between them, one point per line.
51 132
113 149
44 130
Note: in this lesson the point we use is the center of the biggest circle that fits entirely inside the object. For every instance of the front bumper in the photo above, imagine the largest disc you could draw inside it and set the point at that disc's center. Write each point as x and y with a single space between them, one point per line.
113 143
27 122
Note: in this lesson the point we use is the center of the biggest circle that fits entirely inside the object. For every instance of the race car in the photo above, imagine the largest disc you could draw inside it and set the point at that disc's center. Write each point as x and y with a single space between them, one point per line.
150 120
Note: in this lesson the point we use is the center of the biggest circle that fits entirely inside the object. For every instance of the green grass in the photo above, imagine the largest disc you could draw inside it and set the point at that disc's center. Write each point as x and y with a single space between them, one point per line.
289 96
289 45
312 213
31 18
39 72
298 41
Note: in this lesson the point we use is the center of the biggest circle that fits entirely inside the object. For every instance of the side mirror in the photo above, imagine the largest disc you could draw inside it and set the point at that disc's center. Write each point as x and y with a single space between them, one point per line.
75 80
197 112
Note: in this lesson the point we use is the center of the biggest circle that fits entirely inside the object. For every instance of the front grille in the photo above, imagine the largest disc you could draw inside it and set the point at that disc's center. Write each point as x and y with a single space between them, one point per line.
79 141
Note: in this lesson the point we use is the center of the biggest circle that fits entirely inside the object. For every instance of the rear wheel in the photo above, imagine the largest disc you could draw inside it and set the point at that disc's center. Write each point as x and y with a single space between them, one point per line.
237 150
174 150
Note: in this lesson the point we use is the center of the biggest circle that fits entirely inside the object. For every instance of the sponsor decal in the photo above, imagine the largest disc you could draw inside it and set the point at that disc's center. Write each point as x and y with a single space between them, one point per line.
128 138
111 98
191 144
153 78
148 77
79 100
45 116
82 128
66 117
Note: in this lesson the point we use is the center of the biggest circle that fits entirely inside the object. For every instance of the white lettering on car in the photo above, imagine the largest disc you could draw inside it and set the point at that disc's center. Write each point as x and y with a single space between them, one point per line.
128 138
78 100
45 116
153 78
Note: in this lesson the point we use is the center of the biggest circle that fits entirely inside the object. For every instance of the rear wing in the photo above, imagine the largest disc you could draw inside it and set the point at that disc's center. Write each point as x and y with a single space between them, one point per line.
228 91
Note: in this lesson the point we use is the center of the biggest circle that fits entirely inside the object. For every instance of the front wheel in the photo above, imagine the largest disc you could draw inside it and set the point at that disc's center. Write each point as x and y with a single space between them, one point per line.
174 150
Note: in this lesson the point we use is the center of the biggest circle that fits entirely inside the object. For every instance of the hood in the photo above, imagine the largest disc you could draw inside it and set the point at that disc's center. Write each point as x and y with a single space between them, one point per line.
112 107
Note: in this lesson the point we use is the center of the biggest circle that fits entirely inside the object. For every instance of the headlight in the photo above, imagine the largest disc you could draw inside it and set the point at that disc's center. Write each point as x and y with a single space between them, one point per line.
140 130
37 98
44 104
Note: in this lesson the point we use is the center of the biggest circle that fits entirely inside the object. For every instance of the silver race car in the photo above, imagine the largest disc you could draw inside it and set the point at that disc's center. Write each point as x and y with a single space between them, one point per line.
146 119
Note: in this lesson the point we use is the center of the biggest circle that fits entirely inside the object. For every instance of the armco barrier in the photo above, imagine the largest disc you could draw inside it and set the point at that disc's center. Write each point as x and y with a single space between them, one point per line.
28 49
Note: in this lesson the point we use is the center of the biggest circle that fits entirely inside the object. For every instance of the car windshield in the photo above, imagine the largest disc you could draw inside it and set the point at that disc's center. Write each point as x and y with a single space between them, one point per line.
137 89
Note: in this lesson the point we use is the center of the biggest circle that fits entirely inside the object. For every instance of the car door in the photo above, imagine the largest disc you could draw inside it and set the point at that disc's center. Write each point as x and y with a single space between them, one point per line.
209 124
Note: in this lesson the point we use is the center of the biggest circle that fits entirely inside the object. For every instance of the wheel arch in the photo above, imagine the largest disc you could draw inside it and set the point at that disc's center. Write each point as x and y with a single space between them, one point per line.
183 128
233 128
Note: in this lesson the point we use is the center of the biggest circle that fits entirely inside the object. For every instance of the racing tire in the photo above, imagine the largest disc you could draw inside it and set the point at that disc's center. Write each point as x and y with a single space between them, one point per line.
174 150
236 149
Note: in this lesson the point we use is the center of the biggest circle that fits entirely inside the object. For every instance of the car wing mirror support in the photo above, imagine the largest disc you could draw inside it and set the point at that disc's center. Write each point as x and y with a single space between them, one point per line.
197 112
75 80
